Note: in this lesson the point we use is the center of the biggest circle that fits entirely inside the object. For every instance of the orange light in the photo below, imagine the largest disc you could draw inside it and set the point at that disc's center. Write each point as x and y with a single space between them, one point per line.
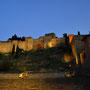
70 38
67 58
50 45
23 75
76 60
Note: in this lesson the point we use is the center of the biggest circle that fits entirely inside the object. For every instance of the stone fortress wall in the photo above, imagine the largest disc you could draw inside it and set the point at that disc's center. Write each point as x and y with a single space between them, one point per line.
47 41
81 50
77 46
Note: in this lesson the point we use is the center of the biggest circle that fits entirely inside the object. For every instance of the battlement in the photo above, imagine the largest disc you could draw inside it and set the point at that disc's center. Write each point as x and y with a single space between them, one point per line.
50 35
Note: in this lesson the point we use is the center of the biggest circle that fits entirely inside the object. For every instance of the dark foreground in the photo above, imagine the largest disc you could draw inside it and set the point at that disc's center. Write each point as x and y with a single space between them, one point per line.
57 83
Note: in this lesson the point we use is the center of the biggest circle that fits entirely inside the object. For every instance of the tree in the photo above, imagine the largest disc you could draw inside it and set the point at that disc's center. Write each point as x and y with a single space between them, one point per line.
23 38
66 39
78 32
17 52
14 37
13 49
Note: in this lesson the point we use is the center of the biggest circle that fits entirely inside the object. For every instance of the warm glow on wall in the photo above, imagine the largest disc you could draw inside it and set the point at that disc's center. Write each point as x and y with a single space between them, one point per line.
50 44
76 60
70 38
67 57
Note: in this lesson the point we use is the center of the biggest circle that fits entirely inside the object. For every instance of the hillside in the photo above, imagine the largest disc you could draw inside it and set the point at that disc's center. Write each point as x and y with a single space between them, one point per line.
41 60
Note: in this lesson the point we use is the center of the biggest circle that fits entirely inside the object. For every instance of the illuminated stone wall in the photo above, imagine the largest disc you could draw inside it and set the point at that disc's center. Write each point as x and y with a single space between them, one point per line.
70 37
38 43
56 42
81 50
7 46
47 41
28 44
77 47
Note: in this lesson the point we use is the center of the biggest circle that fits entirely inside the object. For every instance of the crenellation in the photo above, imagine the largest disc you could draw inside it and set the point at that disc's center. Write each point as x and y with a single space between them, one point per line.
52 35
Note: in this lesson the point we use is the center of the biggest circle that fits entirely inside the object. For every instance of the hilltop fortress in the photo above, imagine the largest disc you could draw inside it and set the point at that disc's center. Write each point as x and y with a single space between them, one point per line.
47 41
80 45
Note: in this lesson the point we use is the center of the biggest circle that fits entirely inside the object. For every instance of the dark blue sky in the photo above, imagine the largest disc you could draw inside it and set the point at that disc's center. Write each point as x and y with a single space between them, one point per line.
36 17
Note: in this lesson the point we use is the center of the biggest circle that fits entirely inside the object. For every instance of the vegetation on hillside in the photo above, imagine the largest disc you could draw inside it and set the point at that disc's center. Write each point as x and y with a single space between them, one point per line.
53 59
41 60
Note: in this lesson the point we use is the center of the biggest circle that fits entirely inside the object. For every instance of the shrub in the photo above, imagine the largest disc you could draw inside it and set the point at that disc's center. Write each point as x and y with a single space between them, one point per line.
5 66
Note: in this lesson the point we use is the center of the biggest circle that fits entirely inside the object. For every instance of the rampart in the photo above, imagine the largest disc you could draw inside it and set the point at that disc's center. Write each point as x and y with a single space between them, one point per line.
77 46
47 41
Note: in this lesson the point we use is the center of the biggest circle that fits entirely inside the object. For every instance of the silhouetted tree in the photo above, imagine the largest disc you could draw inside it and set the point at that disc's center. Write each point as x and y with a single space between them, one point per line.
17 52
23 38
66 39
13 49
14 37
78 32
17 38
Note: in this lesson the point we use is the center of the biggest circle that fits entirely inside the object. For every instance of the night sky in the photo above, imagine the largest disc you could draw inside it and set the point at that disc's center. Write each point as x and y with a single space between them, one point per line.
35 18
